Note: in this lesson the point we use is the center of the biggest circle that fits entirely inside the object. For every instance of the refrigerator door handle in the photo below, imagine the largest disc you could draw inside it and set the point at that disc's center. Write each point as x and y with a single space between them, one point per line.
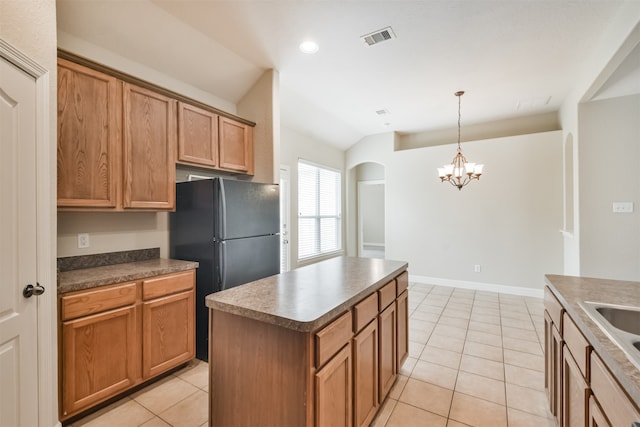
223 211
222 265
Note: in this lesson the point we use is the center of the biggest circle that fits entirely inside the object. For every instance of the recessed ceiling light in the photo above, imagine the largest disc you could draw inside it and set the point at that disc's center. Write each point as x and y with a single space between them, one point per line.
309 47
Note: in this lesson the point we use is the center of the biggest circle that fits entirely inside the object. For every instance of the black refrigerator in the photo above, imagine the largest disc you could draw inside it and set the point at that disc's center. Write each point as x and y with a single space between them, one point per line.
232 229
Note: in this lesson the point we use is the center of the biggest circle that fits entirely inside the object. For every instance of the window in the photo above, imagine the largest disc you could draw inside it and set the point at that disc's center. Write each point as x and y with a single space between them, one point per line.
319 223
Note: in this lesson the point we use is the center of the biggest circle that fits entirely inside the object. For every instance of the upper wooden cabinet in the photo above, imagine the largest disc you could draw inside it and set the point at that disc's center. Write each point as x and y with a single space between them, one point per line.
236 146
209 140
149 143
89 108
119 139
197 136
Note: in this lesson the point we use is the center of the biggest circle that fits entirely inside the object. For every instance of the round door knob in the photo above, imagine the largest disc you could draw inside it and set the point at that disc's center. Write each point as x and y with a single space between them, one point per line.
31 290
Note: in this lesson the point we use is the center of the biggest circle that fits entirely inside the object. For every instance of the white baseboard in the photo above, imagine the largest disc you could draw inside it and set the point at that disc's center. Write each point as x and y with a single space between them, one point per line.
379 245
478 286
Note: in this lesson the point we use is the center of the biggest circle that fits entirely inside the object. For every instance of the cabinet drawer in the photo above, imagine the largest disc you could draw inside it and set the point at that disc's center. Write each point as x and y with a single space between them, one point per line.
552 305
167 285
83 303
332 338
577 344
365 311
403 283
613 400
387 294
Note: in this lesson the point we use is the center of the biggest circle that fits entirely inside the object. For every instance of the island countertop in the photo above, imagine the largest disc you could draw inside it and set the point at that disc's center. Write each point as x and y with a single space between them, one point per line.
572 290
309 297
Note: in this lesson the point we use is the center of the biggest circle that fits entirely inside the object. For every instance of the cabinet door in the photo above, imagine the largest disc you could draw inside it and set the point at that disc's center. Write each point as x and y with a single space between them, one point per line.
236 145
402 314
197 136
387 350
168 332
98 360
553 366
596 416
575 393
334 391
616 406
149 144
365 374
89 108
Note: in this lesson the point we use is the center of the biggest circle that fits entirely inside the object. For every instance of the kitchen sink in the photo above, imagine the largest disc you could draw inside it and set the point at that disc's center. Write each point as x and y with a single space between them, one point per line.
620 323
622 318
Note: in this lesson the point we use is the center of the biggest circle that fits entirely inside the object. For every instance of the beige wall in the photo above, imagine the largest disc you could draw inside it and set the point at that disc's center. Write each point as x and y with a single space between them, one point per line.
609 155
261 104
508 222
113 231
294 146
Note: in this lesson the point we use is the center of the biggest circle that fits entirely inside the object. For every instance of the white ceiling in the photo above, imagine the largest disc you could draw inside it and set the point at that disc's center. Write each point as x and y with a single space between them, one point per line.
503 53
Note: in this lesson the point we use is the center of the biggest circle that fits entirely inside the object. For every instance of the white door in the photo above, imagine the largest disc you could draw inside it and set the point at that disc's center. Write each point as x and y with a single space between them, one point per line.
285 203
18 315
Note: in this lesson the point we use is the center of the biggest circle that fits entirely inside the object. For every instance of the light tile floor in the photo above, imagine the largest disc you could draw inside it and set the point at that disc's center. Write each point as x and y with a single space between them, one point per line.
178 400
475 359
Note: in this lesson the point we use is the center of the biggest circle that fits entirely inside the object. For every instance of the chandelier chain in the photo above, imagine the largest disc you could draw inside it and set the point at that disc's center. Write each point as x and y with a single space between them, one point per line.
459 102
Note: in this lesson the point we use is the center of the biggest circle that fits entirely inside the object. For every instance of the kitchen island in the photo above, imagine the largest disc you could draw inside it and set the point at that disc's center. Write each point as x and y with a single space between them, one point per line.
319 345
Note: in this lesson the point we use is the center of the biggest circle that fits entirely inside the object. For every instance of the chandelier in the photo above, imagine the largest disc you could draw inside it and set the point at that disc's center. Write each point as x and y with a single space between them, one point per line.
459 172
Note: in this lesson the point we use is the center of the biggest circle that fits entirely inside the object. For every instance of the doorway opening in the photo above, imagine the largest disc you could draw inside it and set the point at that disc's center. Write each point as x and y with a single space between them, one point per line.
371 210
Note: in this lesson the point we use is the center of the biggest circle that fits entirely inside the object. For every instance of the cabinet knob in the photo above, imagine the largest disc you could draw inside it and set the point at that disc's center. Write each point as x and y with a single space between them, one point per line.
31 290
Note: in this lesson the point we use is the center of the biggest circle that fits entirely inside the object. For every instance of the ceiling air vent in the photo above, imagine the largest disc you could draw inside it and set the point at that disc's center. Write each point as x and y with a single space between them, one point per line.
379 36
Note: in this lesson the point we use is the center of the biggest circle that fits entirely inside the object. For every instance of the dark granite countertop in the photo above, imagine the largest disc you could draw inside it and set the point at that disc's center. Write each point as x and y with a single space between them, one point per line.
309 297
94 276
572 290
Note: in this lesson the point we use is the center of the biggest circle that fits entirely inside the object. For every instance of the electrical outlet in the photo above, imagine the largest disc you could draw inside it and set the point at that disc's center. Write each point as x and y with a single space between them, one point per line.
83 240
477 268
622 207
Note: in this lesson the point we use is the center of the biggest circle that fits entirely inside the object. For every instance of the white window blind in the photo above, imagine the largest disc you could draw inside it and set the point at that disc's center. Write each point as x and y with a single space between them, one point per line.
319 210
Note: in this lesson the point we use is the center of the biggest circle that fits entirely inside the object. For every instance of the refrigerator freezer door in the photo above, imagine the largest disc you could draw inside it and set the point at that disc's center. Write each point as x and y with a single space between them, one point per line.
245 260
246 209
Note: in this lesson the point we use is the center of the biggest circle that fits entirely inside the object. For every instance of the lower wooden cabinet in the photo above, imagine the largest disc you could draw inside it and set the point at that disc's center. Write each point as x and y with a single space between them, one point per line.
111 339
617 408
575 393
99 354
334 391
337 375
596 416
387 348
168 332
402 315
581 389
553 366
365 374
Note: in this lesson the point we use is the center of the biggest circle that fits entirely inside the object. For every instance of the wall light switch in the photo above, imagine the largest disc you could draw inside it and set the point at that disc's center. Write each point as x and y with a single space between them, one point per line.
83 240
622 207
477 268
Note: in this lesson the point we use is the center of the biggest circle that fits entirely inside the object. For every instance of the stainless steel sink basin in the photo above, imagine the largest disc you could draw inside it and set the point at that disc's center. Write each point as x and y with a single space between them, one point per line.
620 323
622 318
